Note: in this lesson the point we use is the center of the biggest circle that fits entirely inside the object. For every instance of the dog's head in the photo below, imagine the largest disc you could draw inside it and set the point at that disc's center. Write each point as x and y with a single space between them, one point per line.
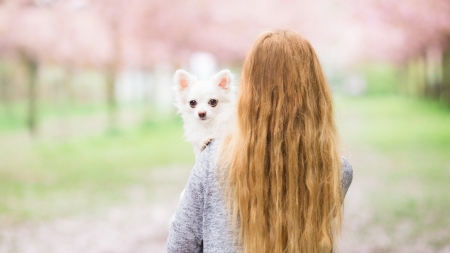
203 100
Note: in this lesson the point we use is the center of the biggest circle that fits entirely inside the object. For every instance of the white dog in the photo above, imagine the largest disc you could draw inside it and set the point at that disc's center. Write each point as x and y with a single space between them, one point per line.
206 107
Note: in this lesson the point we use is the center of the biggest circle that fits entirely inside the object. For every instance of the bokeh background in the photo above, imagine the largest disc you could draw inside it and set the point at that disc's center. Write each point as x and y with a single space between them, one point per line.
92 156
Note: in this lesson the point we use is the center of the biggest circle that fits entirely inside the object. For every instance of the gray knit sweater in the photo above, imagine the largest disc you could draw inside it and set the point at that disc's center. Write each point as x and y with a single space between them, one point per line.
201 223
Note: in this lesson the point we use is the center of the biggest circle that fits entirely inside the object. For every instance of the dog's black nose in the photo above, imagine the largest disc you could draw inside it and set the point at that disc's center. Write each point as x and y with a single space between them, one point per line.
202 114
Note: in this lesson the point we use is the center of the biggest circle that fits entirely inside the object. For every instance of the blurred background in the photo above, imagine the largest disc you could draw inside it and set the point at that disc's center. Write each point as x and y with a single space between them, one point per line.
92 156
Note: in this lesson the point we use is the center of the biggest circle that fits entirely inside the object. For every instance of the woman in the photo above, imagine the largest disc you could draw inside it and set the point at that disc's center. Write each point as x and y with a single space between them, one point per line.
277 183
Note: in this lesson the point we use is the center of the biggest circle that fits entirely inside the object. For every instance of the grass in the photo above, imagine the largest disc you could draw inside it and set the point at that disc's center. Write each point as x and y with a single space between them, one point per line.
411 140
55 178
382 79
13 117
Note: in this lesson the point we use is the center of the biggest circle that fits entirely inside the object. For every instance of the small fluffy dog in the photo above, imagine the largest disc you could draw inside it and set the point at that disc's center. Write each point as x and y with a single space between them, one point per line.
206 107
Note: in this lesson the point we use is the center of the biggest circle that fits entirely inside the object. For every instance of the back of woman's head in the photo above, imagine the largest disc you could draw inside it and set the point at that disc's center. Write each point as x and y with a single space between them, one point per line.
282 168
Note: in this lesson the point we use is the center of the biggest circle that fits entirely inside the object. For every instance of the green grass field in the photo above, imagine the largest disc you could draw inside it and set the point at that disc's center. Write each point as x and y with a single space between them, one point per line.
51 178
404 145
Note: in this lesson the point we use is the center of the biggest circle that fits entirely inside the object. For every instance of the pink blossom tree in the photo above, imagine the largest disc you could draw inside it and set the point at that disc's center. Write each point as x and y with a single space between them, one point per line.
412 34
112 35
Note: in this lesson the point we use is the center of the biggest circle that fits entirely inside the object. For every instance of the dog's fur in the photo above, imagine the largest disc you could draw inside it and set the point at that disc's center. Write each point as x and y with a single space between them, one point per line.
204 121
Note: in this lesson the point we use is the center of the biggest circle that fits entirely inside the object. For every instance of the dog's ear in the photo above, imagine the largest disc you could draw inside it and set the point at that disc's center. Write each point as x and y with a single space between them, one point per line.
223 79
182 79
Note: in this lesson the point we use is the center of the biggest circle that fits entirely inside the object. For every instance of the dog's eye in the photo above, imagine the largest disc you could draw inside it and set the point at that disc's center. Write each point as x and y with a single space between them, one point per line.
213 102
192 103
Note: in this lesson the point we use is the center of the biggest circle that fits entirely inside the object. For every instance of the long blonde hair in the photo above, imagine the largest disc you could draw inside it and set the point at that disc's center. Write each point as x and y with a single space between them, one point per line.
281 167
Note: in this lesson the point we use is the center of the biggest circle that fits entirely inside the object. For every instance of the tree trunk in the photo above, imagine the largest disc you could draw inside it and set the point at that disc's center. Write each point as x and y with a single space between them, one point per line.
421 76
67 84
402 72
416 83
111 100
31 68
445 88
433 72
411 78
5 95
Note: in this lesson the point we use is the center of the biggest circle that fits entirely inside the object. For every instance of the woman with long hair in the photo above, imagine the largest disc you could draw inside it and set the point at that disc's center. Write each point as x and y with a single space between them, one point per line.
277 182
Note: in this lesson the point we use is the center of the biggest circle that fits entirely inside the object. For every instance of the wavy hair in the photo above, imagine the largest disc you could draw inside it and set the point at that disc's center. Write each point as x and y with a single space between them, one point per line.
281 166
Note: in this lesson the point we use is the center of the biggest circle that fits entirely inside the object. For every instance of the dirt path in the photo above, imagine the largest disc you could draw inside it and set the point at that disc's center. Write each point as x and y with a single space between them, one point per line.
122 229
361 232
138 226
141 225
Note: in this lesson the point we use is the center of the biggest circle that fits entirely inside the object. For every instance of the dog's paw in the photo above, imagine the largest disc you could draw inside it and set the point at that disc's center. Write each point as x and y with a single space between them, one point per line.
205 143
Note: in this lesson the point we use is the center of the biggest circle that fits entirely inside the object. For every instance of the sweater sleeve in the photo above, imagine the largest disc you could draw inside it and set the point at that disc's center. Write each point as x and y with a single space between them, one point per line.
346 176
186 230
